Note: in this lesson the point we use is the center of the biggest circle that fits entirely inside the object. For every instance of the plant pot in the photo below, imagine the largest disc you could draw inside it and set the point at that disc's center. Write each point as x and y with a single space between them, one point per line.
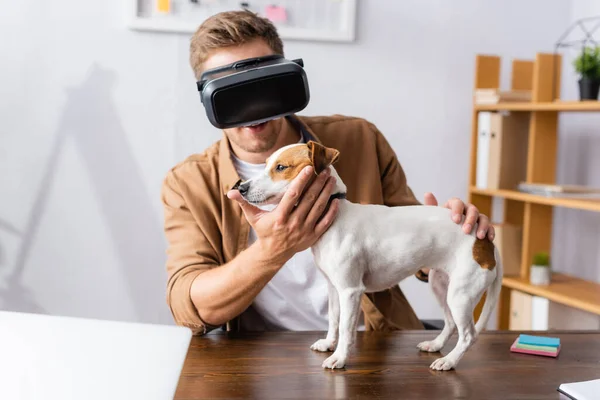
540 275
589 88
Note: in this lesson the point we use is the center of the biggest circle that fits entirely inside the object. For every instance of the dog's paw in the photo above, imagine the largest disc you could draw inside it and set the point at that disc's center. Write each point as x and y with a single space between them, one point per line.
323 345
334 361
443 364
430 346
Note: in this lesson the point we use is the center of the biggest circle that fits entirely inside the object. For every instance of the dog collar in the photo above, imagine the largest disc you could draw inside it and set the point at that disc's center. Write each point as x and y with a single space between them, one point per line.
337 196
334 196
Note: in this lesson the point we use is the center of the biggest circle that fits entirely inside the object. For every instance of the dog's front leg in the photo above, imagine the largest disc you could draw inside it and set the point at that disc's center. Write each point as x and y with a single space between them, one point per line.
328 344
349 308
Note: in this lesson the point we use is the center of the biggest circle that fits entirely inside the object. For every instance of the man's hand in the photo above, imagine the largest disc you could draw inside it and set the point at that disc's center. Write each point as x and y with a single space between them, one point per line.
291 227
472 216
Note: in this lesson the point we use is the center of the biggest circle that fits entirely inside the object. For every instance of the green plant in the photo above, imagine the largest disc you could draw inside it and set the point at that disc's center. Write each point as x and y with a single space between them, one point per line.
587 64
541 258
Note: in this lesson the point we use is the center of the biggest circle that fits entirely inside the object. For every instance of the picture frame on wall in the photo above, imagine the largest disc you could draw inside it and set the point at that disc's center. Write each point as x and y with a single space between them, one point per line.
312 20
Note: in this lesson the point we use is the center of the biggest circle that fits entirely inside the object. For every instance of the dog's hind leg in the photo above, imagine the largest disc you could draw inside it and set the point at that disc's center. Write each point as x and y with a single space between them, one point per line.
328 344
463 294
349 309
438 280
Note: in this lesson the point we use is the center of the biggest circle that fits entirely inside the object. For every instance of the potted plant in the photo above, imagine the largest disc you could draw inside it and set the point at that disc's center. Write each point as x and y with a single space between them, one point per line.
540 269
587 64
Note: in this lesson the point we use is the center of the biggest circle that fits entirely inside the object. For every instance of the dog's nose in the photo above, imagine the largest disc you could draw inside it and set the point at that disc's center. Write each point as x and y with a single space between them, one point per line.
243 188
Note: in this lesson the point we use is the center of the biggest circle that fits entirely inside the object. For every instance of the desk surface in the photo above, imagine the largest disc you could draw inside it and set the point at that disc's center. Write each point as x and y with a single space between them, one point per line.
383 365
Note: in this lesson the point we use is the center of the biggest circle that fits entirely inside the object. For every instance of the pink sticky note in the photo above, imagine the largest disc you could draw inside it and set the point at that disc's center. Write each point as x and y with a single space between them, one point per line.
276 13
514 349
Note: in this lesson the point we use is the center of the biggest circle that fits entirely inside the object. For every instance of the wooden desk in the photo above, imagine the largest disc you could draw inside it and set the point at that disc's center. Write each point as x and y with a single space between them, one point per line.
281 366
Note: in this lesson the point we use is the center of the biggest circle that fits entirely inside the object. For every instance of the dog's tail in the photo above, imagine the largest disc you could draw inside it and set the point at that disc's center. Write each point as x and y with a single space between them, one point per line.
493 293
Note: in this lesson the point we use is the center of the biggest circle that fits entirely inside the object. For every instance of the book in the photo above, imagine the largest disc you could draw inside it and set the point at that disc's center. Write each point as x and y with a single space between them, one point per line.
551 352
508 150
532 347
483 149
495 96
520 311
559 190
584 390
539 340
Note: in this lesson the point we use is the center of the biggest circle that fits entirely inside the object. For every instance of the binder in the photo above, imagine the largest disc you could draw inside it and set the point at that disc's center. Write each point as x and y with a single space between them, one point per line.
528 312
483 149
508 140
520 311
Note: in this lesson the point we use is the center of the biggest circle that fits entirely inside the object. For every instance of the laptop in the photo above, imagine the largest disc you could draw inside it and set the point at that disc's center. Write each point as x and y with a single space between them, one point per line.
52 357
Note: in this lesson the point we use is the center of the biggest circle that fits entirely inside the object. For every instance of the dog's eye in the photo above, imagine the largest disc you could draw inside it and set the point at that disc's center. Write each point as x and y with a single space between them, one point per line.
280 167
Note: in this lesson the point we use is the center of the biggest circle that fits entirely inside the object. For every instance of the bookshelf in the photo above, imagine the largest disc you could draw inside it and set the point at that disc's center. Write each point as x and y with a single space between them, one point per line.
576 203
562 106
532 212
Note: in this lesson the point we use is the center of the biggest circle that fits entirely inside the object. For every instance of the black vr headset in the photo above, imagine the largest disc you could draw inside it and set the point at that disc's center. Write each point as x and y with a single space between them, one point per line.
254 90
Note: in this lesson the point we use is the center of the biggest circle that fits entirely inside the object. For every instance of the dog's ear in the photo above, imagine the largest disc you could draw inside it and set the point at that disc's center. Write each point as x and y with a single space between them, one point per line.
321 157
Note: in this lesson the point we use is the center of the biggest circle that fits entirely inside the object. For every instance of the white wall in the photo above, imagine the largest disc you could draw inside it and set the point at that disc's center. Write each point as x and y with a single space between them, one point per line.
578 163
93 115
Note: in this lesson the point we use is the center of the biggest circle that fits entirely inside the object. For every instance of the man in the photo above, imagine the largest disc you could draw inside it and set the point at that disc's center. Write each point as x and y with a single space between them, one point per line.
232 264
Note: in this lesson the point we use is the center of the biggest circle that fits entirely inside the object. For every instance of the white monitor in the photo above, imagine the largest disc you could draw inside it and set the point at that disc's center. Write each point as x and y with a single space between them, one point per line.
52 357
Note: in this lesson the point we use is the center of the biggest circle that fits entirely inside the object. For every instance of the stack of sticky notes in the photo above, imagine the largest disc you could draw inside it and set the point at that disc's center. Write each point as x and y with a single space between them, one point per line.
537 345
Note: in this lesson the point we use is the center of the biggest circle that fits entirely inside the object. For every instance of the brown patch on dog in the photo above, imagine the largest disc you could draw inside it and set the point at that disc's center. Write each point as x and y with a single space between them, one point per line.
294 160
321 156
483 253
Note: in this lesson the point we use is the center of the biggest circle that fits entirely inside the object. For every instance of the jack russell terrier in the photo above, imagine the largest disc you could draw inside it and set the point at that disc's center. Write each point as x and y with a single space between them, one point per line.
369 248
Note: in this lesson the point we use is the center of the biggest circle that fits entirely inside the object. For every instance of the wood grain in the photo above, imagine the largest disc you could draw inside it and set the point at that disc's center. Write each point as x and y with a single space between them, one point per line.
514 212
537 234
503 316
546 77
575 203
542 147
383 366
522 75
487 72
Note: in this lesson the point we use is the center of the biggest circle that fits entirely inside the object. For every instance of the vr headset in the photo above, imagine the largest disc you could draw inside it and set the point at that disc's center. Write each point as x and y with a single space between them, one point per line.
254 90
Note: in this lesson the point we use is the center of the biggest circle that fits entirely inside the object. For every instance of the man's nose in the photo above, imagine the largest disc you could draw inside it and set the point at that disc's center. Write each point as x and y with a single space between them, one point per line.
243 188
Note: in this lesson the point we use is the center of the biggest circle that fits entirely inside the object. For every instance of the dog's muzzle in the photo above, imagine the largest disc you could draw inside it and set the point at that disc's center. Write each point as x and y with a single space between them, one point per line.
242 187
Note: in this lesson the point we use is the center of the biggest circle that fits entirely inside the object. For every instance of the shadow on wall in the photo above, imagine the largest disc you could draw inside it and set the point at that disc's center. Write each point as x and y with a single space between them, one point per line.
13 295
91 120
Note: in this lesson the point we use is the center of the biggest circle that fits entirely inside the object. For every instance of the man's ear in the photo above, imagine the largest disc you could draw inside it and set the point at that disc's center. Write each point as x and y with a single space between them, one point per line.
321 157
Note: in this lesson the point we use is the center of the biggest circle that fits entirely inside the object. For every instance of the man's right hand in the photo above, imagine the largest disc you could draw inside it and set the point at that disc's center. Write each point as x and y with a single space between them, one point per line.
293 225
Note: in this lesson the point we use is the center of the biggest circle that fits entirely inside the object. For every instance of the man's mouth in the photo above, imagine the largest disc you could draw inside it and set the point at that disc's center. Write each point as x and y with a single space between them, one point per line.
255 128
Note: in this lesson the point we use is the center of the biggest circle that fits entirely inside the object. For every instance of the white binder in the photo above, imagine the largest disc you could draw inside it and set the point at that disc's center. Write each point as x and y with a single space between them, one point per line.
483 149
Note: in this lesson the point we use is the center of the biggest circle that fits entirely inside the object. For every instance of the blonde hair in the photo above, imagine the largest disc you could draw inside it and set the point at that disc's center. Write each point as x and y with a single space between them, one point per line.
230 28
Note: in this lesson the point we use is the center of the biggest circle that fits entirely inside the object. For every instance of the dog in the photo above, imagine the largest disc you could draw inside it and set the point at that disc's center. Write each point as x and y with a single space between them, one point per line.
369 248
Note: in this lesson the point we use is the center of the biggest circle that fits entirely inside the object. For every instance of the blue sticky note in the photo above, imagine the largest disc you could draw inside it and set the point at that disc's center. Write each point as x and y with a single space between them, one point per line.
539 340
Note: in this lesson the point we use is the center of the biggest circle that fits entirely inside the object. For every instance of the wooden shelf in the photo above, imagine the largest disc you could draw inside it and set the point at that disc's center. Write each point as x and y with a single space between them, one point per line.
580 204
563 289
567 106
532 213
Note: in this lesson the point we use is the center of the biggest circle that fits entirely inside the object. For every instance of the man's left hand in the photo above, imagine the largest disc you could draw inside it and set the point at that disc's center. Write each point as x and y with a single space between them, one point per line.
484 227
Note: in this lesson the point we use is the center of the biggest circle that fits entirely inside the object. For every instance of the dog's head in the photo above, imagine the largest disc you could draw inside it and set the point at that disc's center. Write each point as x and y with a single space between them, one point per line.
281 169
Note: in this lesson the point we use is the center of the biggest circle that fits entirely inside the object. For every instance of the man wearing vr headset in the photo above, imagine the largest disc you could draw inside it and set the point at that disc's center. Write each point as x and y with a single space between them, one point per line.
233 265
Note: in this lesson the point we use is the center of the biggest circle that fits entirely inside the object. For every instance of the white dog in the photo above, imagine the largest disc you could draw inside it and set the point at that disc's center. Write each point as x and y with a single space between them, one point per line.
370 248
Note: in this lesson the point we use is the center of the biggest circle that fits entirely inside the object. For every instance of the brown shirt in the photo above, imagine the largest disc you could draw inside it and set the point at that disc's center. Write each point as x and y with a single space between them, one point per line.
205 229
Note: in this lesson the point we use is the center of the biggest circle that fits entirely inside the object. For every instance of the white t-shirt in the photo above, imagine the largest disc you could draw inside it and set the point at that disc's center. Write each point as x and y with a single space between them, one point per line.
296 297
